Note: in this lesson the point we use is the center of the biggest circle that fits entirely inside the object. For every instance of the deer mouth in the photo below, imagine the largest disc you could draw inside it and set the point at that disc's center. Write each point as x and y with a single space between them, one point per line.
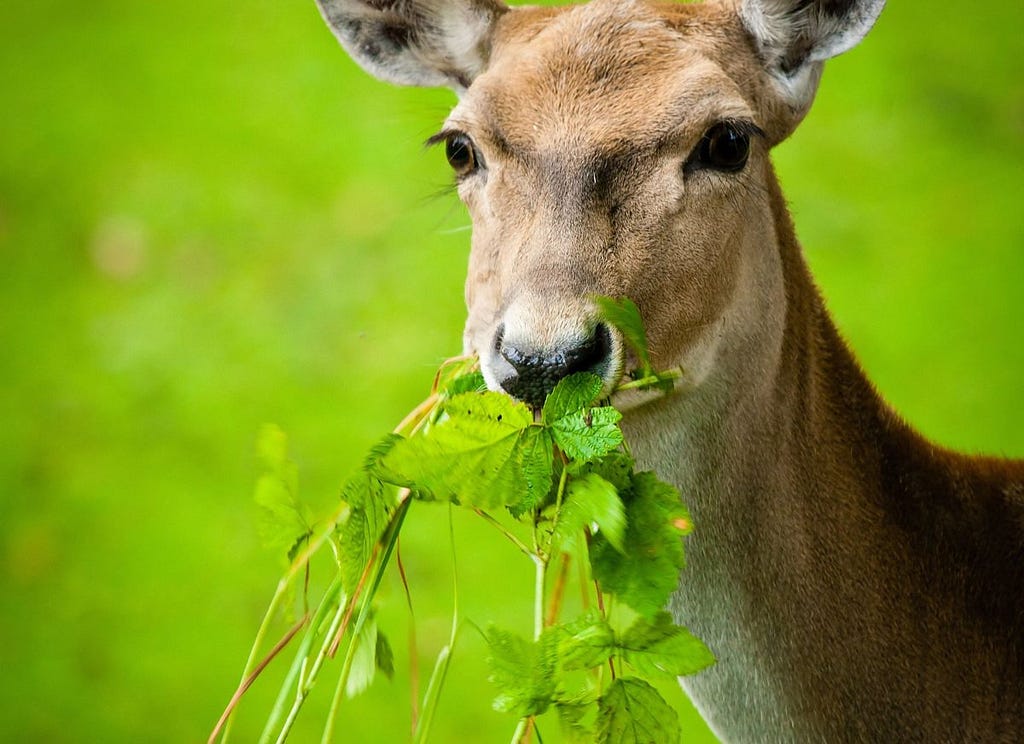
529 373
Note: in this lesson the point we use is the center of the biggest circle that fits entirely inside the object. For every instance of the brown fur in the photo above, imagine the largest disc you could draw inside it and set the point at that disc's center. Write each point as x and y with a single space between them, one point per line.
856 582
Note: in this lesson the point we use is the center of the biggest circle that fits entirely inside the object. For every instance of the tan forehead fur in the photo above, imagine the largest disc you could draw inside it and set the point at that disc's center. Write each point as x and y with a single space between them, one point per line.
610 73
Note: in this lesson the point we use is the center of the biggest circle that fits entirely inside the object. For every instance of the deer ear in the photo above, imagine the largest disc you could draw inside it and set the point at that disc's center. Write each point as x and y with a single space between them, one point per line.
793 37
428 43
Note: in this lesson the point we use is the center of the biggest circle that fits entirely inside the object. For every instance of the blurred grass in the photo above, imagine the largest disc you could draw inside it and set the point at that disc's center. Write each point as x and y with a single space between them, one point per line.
209 219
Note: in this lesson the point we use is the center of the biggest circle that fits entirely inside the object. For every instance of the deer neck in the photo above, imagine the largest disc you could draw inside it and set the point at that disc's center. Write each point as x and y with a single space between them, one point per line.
783 388
761 450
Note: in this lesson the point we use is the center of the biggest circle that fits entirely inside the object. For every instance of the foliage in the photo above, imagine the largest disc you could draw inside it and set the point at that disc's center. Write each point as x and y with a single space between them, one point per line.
559 473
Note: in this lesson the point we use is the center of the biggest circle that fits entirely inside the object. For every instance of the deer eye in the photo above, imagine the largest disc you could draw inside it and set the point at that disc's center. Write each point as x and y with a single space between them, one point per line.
461 154
724 147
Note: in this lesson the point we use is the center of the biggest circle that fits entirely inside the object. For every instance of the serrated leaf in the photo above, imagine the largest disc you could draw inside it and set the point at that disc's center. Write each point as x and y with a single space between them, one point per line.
648 572
625 316
495 407
571 716
537 469
571 394
522 670
373 462
482 454
472 382
588 434
283 520
384 656
586 642
590 500
370 509
633 712
364 660
616 467
659 646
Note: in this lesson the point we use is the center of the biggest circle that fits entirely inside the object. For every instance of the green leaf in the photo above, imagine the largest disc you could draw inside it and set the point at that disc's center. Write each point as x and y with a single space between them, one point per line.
588 434
373 463
570 716
468 383
283 520
590 500
364 660
633 712
483 454
370 511
616 467
645 576
571 394
625 316
497 408
586 642
537 469
523 671
385 656
659 646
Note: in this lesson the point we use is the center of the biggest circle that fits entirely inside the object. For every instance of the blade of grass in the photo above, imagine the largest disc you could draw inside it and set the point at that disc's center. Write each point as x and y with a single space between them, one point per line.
438 676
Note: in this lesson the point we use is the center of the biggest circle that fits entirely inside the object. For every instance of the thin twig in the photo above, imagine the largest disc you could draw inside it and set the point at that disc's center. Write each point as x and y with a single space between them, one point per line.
501 528
247 682
414 660
559 590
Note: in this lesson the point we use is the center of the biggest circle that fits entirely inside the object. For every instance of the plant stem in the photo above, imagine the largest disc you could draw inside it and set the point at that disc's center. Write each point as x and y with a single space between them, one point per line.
520 732
340 688
559 590
301 656
306 681
437 677
226 717
538 596
250 663
388 539
649 380
416 415
501 528
414 658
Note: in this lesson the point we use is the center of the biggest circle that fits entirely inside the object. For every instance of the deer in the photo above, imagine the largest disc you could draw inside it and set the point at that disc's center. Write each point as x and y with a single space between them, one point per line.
856 582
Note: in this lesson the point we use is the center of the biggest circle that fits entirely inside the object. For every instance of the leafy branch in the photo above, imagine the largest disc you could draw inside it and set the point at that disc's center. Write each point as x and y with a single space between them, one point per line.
564 473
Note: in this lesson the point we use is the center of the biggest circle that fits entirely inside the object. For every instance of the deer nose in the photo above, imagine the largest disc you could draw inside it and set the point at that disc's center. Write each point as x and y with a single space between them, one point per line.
536 374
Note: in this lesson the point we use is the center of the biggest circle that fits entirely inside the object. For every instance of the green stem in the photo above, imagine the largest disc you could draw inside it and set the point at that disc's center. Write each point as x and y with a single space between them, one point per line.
538 596
346 669
440 672
520 732
501 528
250 663
649 380
306 681
301 656
559 495
390 537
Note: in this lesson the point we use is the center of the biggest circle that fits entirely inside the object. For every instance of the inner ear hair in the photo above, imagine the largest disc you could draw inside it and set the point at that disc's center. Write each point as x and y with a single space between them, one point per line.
793 33
430 43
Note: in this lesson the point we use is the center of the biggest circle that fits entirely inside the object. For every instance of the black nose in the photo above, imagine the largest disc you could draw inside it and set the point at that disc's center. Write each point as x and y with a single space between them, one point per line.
537 374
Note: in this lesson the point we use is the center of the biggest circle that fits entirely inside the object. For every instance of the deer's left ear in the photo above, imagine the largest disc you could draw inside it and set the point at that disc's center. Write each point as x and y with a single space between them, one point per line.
430 43
793 38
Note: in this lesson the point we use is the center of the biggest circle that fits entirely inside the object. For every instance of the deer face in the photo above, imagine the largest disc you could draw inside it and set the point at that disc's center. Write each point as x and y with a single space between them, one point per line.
615 148
589 170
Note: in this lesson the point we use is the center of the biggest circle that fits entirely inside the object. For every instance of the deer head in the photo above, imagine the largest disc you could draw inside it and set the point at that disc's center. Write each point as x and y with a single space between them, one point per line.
616 148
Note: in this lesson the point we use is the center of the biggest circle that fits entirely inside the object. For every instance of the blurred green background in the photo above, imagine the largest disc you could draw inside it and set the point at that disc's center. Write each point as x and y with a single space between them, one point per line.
210 219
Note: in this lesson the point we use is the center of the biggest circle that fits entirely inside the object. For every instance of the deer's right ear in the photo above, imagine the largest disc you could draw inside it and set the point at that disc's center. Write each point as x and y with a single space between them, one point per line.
430 43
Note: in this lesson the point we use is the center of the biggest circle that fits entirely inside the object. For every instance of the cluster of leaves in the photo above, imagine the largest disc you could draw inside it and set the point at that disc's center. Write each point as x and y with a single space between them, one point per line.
561 472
